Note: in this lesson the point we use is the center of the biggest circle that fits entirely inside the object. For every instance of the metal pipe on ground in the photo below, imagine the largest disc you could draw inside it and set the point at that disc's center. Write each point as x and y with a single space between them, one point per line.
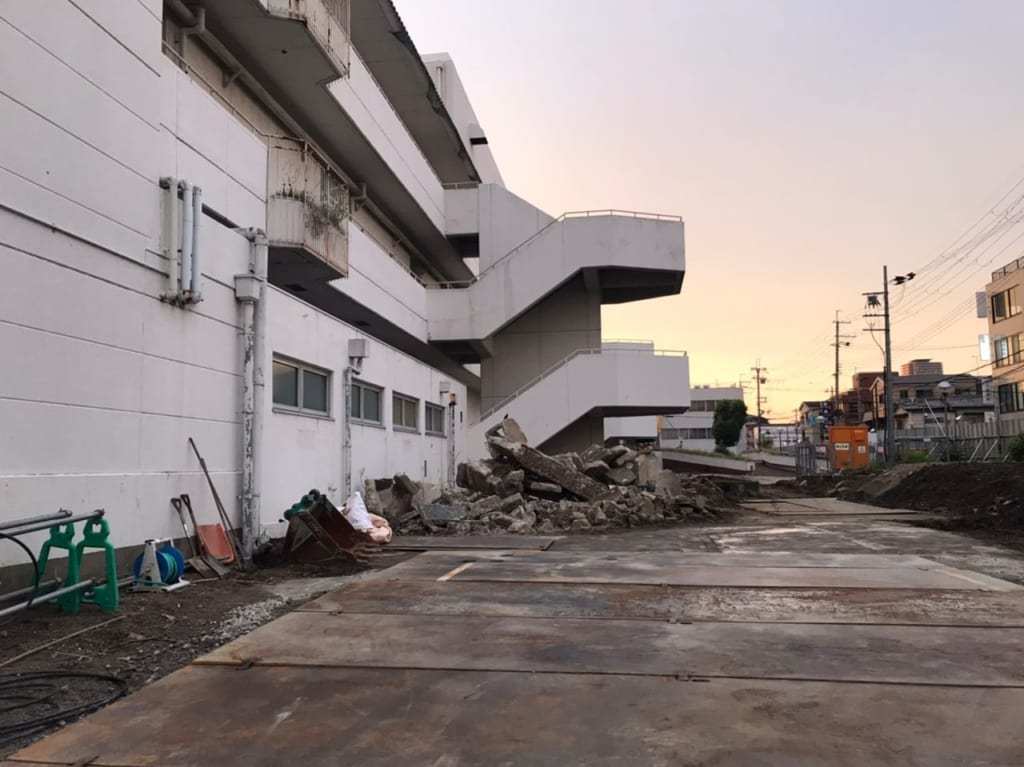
62 514
33 528
21 606
28 590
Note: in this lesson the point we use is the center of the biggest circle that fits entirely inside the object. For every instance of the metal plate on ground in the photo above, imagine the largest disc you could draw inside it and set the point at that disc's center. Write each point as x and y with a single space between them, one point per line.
639 571
865 653
614 601
822 507
470 542
262 717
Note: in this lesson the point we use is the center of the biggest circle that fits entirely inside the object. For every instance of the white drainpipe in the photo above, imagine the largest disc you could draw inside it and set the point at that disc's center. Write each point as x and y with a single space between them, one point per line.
251 291
187 231
193 291
172 235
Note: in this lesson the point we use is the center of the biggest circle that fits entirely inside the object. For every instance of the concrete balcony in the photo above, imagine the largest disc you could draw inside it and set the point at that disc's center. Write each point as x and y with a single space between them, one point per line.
623 256
592 383
307 217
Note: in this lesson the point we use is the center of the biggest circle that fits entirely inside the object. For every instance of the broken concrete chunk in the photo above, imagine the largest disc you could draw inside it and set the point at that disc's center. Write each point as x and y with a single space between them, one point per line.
511 502
513 482
549 488
474 475
486 505
371 498
512 431
580 524
442 512
624 458
667 484
622 475
408 486
536 462
596 469
647 468
500 519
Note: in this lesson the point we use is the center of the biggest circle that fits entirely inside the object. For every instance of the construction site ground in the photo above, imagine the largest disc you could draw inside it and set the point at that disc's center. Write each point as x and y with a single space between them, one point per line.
803 631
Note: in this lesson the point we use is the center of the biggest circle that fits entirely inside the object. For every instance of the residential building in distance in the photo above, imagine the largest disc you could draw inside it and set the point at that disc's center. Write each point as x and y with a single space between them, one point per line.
855 402
1006 331
917 393
813 420
925 367
277 229
692 430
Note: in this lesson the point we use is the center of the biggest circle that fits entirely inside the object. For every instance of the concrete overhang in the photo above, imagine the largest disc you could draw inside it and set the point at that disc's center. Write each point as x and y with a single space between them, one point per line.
382 40
294 66
329 299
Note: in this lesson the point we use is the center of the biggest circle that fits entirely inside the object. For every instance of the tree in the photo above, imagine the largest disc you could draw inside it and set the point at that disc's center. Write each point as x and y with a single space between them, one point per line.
730 416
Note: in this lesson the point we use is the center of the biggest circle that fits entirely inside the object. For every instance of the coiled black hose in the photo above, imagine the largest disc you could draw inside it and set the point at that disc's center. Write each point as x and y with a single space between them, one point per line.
36 575
21 691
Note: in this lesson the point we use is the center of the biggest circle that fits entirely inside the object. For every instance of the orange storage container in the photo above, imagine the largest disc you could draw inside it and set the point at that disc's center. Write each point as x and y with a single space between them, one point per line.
848 447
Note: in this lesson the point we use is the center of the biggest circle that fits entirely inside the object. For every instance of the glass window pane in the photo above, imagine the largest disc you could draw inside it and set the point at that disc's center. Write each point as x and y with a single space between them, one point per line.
396 410
286 384
411 419
314 391
355 408
371 405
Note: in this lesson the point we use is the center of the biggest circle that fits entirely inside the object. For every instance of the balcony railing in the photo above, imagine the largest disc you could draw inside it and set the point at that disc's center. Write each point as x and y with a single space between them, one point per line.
307 204
1010 268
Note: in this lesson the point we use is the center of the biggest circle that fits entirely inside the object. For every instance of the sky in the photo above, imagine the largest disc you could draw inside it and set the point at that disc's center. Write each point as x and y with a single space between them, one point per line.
806 143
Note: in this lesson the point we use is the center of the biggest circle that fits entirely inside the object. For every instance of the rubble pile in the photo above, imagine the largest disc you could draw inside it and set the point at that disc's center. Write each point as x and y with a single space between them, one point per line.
522 490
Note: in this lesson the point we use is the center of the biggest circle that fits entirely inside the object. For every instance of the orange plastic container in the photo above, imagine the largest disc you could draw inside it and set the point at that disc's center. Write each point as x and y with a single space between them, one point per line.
848 447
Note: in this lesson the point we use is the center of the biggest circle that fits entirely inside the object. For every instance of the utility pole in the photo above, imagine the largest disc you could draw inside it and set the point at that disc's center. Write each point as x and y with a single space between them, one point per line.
841 340
872 300
759 373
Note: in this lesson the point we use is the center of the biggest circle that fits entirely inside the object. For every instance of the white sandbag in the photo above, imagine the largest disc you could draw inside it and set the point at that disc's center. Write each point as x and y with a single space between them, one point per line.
356 513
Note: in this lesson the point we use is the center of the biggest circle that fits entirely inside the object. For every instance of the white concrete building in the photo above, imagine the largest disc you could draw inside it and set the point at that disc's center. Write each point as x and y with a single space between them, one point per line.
692 430
352 265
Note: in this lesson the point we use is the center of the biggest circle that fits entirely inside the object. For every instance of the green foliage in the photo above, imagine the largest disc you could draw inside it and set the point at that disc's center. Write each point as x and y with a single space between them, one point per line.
766 442
1015 451
730 416
916 456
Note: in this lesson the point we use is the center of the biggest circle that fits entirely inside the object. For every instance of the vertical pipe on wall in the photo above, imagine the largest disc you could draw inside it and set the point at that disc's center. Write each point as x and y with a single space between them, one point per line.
346 445
186 239
195 286
172 237
254 324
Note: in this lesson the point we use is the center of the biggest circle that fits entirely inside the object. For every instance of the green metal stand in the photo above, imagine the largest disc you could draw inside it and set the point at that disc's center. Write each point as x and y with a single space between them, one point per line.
96 535
62 537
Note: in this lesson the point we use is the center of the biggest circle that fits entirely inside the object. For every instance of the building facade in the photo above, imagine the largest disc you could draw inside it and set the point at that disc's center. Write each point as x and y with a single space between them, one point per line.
921 368
692 430
1006 331
276 229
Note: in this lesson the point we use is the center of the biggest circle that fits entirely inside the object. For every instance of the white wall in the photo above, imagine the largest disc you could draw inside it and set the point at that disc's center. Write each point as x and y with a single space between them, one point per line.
364 101
453 93
700 419
303 452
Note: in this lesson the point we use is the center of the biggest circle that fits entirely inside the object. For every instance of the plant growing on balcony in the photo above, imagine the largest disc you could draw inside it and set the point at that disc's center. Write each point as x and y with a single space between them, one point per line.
319 215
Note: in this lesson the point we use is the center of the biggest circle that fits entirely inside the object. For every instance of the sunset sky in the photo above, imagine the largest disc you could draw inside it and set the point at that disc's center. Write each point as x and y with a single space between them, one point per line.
805 142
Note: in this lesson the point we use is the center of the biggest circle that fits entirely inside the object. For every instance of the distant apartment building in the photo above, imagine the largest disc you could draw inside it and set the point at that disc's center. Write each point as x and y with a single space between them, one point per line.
1006 331
924 367
275 227
921 399
812 418
692 430
856 402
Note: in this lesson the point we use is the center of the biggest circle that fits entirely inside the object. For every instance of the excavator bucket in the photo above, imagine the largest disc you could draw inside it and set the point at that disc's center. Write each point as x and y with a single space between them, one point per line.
318 531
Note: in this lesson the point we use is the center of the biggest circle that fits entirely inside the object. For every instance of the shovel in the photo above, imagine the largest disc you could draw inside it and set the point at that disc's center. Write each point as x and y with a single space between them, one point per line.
197 562
209 554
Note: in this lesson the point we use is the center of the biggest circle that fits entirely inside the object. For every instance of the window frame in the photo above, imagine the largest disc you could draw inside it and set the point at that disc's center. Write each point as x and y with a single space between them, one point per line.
433 406
361 386
1010 301
404 399
301 369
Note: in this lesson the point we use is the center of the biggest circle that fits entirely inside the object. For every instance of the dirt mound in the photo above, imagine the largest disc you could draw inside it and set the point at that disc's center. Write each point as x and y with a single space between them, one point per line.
975 495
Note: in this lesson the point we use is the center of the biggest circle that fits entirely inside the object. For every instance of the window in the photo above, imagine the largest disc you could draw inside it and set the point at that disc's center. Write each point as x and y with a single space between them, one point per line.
1011 398
405 412
300 387
904 394
1005 304
670 433
365 404
1008 350
923 393
435 419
